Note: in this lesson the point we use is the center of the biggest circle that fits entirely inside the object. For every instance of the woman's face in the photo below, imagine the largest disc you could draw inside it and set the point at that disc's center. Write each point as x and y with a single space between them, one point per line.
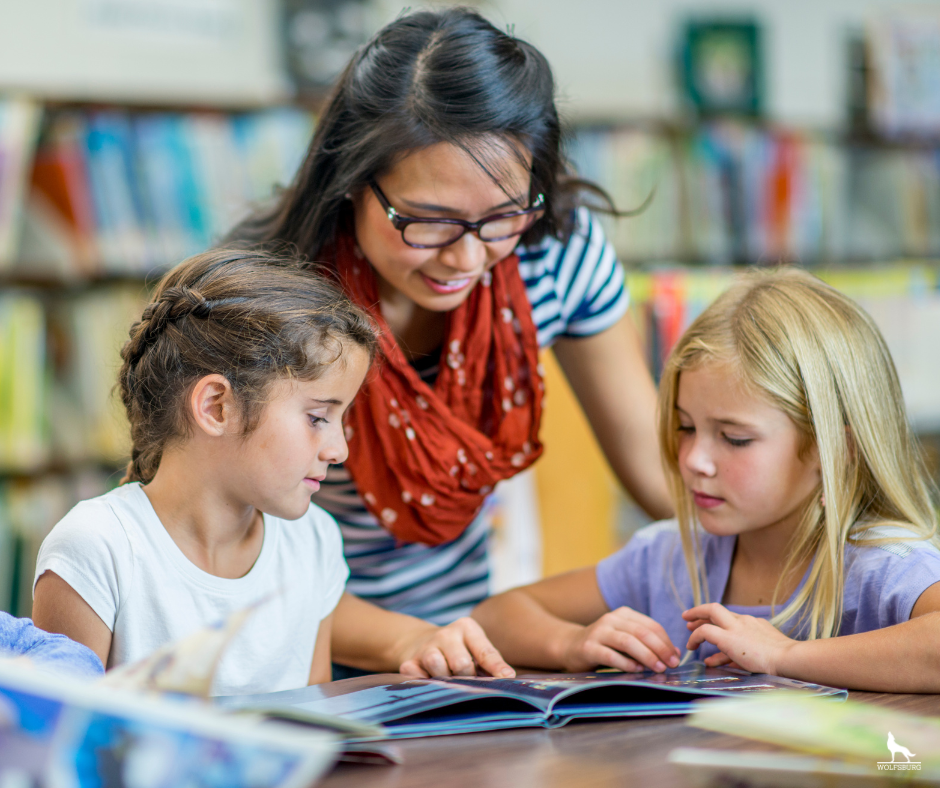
438 181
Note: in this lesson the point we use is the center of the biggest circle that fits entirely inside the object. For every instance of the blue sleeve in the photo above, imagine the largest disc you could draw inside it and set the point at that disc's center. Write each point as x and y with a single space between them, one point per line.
594 291
56 653
576 287
883 583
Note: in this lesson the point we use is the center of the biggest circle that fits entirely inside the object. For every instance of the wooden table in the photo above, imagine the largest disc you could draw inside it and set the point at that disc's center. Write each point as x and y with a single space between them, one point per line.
585 754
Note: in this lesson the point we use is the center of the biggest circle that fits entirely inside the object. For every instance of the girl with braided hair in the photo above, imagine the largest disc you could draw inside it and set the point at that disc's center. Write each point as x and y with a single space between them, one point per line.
235 382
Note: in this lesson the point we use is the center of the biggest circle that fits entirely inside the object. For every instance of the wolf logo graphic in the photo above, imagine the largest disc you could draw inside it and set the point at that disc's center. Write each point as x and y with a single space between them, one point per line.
896 748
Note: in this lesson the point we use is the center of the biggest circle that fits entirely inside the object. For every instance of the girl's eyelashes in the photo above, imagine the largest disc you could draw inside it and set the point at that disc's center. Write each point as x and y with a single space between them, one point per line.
316 421
688 429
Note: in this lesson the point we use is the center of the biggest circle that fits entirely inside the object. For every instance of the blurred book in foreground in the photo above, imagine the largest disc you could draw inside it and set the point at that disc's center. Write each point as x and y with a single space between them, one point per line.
845 744
62 732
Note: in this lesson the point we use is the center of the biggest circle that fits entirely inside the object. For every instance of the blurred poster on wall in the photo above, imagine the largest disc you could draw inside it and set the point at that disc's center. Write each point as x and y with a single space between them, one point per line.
904 82
722 66
321 36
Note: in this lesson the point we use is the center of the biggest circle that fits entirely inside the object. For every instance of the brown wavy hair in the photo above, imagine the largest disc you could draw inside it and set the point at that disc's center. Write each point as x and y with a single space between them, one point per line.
430 77
251 316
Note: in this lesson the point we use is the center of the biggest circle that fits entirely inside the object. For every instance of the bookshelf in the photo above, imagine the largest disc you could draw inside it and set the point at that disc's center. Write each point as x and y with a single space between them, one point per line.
862 211
732 192
96 201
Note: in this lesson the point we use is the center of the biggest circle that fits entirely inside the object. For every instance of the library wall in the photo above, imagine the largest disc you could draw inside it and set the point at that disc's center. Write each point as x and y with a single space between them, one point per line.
624 67
214 52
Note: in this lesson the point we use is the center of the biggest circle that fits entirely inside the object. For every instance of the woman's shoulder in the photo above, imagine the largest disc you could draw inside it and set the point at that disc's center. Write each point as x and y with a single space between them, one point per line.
587 236
576 286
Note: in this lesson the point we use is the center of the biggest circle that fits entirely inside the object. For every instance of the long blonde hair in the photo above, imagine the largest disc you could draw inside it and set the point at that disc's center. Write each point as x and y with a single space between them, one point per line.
816 355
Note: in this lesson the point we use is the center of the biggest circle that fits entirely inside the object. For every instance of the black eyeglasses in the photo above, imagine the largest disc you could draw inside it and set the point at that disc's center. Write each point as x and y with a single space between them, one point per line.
435 233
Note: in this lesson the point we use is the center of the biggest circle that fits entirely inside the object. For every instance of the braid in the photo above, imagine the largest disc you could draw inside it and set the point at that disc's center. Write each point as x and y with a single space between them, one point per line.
142 466
173 304
269 318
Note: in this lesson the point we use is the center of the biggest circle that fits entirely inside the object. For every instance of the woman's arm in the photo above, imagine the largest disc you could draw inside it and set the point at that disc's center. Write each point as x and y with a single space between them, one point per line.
608 374
563 623
58 608
902 658
366 636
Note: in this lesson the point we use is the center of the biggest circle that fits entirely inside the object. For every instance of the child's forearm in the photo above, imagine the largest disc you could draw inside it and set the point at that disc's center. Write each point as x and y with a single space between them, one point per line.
369 638
902 658
525 633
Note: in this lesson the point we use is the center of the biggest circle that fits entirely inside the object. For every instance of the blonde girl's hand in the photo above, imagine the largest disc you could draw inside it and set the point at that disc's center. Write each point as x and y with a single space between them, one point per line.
747 642
455 650
622 639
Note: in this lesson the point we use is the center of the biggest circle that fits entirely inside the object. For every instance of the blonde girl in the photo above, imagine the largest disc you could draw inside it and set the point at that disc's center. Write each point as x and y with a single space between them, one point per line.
235 381
805 543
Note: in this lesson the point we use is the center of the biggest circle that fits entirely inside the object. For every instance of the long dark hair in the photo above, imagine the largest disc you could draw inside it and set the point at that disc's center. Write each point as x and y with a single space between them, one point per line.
250 316
428 77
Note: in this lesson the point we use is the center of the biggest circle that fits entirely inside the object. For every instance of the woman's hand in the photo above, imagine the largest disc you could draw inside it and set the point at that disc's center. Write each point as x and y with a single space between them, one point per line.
747 642
622 639
455 650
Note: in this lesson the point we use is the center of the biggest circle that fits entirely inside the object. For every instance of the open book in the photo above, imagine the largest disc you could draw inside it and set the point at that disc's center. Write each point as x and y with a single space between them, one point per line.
428 707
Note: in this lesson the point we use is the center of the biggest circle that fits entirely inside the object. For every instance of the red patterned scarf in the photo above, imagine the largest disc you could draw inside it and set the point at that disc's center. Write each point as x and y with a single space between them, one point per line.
425 459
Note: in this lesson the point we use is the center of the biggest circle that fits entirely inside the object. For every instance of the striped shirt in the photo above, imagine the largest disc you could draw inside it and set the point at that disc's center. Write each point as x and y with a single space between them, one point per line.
576 289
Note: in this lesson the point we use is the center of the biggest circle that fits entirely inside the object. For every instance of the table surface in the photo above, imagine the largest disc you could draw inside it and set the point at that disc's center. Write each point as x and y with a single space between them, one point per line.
583 754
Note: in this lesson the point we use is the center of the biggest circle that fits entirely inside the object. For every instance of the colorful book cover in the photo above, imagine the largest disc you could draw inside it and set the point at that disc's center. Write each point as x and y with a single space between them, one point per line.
63 732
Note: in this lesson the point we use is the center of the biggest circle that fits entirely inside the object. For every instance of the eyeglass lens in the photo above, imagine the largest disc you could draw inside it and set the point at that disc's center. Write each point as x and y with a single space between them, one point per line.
441 234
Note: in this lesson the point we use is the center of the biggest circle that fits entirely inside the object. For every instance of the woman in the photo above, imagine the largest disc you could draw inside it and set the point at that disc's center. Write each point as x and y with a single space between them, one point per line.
435 192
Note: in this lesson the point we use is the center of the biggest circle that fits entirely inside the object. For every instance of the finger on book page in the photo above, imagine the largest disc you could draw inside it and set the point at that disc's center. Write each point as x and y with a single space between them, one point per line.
412 668
631 645
484 653
459 660
641 625
604 655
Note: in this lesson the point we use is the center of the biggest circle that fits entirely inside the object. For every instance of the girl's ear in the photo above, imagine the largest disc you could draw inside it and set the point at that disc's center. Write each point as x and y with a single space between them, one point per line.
212 405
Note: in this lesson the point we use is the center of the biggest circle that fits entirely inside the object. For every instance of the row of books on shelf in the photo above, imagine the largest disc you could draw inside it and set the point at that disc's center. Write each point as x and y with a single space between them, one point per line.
86 192
58 366
730 192
28 510
59 358
902 297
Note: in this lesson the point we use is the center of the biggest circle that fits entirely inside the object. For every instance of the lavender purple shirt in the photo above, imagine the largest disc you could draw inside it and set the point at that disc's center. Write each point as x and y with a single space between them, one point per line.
648 574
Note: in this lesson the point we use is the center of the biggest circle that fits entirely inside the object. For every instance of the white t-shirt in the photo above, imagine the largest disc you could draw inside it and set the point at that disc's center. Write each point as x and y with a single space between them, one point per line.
116 554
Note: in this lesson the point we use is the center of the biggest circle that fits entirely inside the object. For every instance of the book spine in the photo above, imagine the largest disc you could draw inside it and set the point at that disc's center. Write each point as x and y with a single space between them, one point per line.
19 131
